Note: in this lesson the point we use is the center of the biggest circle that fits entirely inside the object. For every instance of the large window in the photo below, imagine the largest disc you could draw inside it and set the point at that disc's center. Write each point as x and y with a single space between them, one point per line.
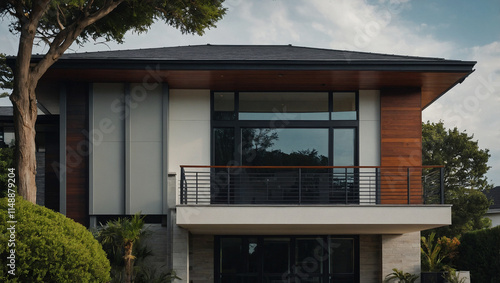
284 128
287 259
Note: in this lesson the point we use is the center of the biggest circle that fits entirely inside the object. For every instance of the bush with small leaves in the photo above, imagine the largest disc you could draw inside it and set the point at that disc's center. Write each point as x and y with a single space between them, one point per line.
48 247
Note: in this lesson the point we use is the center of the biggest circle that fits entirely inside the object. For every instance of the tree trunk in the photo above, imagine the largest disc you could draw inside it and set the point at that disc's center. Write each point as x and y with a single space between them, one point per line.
129 258
25 110
25 113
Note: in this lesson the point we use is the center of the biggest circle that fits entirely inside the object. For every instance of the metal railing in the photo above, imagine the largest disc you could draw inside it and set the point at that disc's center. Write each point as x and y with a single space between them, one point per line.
310 185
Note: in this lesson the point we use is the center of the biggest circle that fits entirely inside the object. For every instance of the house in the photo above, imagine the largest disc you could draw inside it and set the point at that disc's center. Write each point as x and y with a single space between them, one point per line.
494 212
257 163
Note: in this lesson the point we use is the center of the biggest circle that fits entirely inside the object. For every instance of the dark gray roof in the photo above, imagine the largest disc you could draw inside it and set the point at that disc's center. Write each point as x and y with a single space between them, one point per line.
494 194
253 57
6 111
241 53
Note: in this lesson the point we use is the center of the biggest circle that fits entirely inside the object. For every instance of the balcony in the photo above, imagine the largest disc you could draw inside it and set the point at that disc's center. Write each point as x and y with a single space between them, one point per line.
269 200
308 185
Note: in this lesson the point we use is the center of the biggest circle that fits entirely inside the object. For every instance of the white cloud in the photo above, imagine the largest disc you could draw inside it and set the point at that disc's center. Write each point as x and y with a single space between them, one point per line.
473 105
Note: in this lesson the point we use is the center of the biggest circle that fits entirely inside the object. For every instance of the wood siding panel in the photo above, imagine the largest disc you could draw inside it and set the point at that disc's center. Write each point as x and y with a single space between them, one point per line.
77 160
401 145
433 84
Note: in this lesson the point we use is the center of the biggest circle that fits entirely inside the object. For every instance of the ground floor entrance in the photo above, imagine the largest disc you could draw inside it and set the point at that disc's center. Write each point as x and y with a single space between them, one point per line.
273 259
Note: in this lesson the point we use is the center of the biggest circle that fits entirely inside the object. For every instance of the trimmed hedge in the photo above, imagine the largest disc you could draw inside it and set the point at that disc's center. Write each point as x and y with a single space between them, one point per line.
49 247
479 252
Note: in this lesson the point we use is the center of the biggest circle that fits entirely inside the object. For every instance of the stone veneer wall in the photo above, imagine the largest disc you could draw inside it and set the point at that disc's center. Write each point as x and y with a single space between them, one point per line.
158 243
401 252
370 256
201 258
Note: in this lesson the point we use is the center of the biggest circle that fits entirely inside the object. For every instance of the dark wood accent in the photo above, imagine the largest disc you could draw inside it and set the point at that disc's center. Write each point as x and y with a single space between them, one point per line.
401 144
432 84
77 149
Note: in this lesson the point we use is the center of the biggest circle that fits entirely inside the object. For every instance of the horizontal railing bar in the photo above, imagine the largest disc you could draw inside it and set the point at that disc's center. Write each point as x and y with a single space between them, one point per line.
311 167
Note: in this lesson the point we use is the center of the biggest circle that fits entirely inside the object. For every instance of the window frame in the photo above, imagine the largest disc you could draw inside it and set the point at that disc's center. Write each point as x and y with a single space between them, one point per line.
237 125
325 275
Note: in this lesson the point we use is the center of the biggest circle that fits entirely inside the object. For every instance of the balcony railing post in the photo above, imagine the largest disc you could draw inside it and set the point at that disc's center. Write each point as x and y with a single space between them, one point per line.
300 185
441 181
183 178
377 185
345 186
197 187
408 174
228 186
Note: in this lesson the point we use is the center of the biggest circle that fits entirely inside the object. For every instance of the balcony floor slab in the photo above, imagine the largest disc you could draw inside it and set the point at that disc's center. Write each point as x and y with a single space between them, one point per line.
311 220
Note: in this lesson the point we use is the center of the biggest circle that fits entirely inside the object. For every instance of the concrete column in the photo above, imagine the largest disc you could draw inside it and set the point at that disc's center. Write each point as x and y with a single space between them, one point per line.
201 258
180 250
401 252
370 250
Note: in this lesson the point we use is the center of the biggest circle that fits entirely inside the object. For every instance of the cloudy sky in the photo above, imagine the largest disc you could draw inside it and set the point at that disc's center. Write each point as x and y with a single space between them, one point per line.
452 29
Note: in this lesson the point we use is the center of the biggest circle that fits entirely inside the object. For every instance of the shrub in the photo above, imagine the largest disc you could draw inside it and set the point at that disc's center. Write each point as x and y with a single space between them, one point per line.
50 247
401 277
479 252
6 162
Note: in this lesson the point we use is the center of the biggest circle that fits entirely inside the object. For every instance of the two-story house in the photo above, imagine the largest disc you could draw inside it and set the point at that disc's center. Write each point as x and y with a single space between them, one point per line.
262 163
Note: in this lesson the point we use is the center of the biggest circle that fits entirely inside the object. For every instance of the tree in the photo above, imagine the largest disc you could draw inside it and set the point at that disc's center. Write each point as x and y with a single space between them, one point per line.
59 24
465 178
121 235
6 76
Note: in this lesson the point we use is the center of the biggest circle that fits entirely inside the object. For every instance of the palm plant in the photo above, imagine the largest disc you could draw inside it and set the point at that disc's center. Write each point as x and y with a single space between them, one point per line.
401 277
432 258
121 235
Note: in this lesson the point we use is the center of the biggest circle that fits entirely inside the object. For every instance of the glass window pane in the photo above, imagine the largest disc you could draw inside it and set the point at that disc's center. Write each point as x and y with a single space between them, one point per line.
224 106
224 146
341 255
276 255
289 147
344 106
231 257
309 255
239 255
283 106
344 147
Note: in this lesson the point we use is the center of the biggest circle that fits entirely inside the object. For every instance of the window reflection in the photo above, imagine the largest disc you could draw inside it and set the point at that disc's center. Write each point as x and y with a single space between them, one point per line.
290 147
224 106
283 106
344 106
343 147
224 146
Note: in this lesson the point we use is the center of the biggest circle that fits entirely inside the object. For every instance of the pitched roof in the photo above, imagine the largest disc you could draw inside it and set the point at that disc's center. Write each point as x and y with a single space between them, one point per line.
256 57
494 194
242 52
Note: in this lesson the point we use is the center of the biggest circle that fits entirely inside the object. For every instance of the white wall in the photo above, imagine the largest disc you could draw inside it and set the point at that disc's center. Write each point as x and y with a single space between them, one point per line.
146 150
494 215
189 128
369 128
369 141
108 147
126 161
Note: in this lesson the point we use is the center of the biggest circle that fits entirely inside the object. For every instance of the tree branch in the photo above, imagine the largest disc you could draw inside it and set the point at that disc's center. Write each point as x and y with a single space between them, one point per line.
66 37
58 18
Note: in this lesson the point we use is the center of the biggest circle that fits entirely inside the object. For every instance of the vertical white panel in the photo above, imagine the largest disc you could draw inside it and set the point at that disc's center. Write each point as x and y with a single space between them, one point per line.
369 141
146 180
369 128
107 136
189 128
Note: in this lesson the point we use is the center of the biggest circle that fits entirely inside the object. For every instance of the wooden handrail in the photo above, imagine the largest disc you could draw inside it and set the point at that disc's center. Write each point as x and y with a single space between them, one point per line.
311 167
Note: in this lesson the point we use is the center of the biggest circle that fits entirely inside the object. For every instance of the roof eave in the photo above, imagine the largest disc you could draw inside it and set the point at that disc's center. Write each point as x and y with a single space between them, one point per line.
340 65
